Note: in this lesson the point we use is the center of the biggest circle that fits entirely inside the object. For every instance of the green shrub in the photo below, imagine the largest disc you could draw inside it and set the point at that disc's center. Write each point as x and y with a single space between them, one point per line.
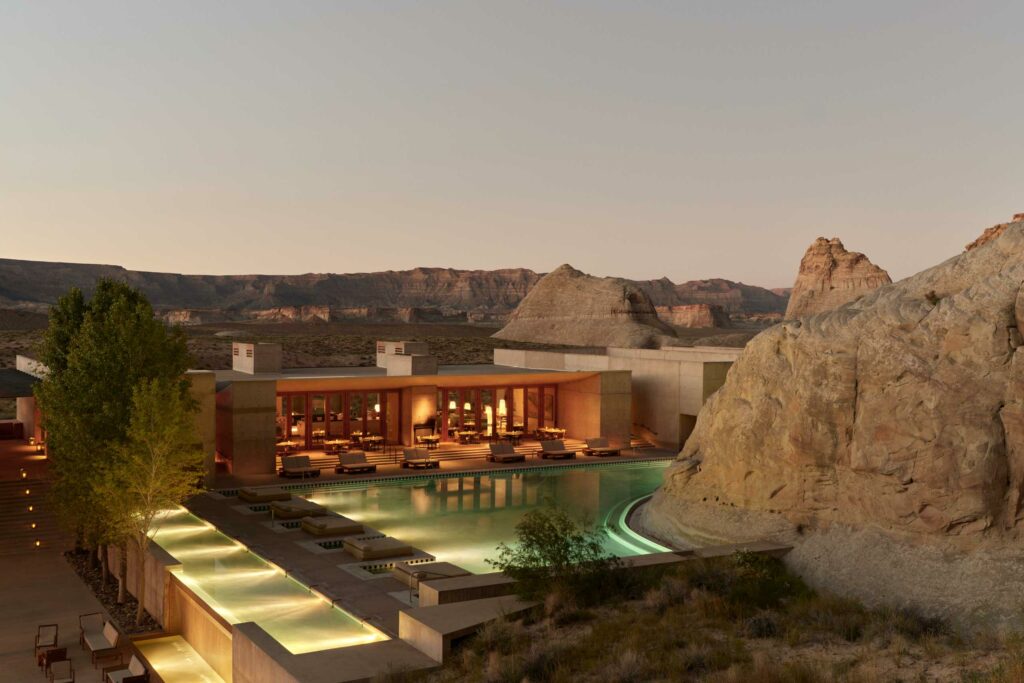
553 552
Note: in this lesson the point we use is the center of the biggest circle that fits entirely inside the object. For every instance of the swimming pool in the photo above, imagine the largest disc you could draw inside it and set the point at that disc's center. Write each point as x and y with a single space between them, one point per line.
462 519
242 587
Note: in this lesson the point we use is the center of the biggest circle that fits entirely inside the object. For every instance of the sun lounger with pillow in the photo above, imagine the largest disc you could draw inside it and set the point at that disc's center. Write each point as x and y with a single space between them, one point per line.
298 466
263 494
418 457
331 525
555 449
297 508
504 452
377 548
351 463
600 447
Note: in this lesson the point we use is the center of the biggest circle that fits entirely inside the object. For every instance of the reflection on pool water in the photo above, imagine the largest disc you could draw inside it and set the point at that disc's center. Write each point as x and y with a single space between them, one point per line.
176 662
463 519
242 587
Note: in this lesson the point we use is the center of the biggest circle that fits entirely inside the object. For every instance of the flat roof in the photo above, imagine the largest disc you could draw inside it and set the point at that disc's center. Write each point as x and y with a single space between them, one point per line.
16 384
224 376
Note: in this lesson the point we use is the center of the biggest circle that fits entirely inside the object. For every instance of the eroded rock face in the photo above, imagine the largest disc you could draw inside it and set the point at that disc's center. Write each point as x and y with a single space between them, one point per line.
993 232
571 307
902 411
831 276
694 315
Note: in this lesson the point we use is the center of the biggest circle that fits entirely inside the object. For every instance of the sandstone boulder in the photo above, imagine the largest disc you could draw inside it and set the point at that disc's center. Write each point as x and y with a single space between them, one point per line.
831 276
895 421
694 315
993 232
573 308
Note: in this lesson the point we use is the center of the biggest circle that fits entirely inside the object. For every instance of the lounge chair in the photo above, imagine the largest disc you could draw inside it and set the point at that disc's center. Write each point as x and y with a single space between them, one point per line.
135 672
600 447
351 463
418 457
504 452
376 548
331 525
296 508
89 624
555 449
62 672
298 466
103 644
255 494
46 637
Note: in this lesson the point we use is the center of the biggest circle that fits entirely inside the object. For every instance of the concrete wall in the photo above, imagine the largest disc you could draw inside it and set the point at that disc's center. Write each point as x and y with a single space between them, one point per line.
246 426
158 564
25 413
254 358
253 656
669 386
188 617
597 406
406 366
204 393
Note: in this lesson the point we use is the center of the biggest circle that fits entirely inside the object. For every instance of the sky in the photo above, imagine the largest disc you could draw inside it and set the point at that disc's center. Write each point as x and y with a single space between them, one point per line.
640 139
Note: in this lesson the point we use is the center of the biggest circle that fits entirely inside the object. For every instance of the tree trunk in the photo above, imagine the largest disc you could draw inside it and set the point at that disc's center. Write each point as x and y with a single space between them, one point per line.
122 574
94 556
140 594
104 565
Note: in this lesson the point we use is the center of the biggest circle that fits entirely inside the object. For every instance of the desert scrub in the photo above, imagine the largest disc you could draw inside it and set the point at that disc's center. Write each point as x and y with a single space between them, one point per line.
744 618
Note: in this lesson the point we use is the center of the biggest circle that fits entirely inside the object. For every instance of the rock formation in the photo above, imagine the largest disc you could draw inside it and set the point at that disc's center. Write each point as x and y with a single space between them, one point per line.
735 298
993 232
896 418
694 315
570 307
831 276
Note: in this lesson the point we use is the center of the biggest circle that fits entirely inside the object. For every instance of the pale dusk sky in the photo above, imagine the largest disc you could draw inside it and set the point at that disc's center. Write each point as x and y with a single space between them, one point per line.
638 139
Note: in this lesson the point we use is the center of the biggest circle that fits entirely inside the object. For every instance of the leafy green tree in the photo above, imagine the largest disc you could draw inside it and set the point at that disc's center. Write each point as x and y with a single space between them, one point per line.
97 352
555 553
157 468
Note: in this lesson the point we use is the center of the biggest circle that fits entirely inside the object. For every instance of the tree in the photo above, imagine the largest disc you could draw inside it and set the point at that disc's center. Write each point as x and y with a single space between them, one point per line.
98 351
553 552
157 468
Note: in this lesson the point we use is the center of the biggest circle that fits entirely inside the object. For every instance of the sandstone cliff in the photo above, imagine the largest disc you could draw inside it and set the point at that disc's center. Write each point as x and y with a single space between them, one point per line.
993 232
735 298
570 307
831 276
895 419
694 315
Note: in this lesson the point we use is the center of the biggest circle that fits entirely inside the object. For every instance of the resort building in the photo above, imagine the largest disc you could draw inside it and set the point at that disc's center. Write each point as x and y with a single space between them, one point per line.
407 399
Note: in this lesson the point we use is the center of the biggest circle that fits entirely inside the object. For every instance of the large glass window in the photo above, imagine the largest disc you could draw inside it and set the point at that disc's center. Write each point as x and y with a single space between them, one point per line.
519 408
319 420
355 414
373 413
298 418
532 409
336 415
392 411
549 407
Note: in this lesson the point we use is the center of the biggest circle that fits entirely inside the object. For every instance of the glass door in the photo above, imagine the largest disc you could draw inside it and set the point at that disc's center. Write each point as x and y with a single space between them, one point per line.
318 421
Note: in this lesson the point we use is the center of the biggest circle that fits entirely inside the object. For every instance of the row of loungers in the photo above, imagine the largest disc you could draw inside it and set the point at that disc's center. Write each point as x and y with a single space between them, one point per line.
419 458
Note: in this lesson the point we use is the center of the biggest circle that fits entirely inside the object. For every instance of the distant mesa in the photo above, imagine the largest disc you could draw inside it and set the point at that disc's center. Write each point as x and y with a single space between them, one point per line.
571 307
694 315
830 277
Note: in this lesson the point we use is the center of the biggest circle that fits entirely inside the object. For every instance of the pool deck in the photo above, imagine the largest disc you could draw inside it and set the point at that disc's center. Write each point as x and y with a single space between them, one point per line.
230 481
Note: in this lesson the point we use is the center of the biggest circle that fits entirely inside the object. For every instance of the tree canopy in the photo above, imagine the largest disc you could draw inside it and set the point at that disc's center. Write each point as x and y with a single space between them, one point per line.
99 351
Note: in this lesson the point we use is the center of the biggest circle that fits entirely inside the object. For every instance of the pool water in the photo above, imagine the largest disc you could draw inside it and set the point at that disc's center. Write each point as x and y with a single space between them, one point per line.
243 587
463 519
176 662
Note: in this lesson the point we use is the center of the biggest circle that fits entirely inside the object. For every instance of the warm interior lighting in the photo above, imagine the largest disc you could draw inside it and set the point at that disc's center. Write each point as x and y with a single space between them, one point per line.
33 525
452 405
376 407
24 474
467 406
39 543
502 409
30 508
28 491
